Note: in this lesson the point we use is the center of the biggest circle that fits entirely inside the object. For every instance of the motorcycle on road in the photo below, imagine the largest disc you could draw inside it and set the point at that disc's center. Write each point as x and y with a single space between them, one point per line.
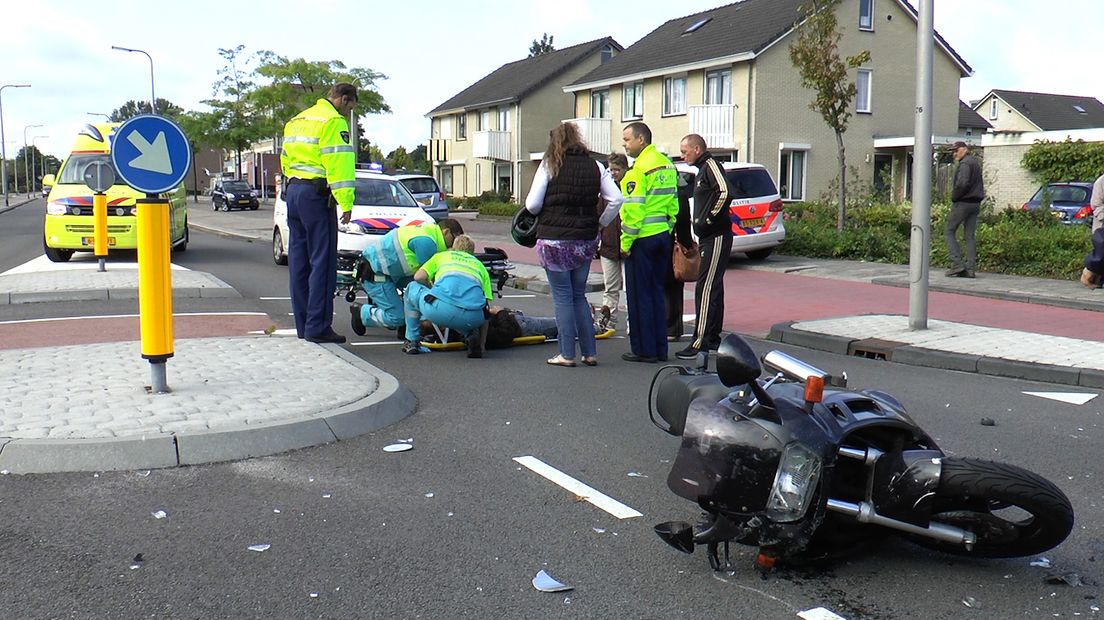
802 467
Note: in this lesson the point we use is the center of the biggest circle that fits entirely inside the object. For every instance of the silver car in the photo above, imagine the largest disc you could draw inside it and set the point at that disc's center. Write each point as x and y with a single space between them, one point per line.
428 194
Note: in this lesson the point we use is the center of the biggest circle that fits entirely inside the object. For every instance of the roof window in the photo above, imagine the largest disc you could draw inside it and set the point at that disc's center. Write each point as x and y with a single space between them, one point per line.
697 24
1079 109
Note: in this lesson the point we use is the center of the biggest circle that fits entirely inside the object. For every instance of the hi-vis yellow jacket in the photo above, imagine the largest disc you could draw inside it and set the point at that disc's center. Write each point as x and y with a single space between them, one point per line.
316 146
651 197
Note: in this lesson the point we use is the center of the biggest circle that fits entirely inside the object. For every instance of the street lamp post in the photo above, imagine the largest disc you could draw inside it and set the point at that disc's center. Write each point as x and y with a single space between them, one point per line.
153 97
33 139
107 116
4 143
26 179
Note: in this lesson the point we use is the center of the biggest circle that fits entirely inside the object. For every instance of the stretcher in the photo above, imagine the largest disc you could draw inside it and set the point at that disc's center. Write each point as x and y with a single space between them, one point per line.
444 345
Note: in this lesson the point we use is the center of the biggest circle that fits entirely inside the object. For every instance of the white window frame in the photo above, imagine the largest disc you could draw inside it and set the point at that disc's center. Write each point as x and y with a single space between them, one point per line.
869 108
485 120
866 13
674 96
606 54
786 151
632 101
603 99
993 109
724 78
478 181
504 118
446 179
446 127
462 126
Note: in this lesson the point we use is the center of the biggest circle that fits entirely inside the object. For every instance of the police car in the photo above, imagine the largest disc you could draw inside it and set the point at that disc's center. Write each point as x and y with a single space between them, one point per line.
381 204
755 207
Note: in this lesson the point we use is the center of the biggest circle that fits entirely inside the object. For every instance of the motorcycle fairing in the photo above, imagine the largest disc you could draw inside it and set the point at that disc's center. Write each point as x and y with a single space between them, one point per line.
904 485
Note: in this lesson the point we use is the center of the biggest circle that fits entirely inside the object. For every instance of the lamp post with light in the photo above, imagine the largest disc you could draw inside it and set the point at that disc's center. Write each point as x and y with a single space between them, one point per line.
153 97
26 179
3 141
107 116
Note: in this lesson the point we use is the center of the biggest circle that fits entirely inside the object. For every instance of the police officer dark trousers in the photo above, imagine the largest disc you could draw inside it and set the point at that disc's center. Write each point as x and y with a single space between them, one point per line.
312 267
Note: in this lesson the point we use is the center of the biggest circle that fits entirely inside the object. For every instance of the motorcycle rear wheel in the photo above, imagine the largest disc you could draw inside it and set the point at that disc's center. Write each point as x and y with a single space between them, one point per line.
1013 512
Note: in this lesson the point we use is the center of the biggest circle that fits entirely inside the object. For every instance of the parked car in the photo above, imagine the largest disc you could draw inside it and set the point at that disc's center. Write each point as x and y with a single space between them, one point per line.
755 207
1068 201
427 193
233 194
381 204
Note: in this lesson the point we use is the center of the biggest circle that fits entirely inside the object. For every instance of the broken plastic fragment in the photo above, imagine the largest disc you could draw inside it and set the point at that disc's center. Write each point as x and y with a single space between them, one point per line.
137 562
988 422
599 530
144 473
326 496
259 548
160 514
1069 579
1042 562
314 595
276 510
430 494
546 583
636 474
971 602
398 447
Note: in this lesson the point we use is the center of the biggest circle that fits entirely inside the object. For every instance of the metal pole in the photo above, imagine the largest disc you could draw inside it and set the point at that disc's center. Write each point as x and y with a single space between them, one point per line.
33 157
153 96
3 141
920 249
26 179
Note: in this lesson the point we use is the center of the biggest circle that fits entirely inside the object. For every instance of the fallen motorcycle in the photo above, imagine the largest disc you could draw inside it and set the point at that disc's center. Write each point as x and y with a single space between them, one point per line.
802 467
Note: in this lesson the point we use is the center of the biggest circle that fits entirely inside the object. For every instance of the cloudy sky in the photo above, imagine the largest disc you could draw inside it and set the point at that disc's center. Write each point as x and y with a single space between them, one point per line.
432 49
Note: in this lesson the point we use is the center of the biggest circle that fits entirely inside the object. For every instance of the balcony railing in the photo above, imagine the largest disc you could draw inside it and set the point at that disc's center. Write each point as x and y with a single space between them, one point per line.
715 123
595 132
491 145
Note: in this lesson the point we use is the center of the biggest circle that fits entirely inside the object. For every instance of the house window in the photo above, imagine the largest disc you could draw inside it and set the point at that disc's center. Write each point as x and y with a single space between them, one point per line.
504 119
791 173
862 84
446 127
462 126
478 181
718 87
993 109
674 96
485 120
606 54
504 179
866 14
633 101
446 179
599 104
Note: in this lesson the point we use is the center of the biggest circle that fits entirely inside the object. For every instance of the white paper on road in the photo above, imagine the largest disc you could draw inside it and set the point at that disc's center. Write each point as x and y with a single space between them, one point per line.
595 497
819 613
1073 398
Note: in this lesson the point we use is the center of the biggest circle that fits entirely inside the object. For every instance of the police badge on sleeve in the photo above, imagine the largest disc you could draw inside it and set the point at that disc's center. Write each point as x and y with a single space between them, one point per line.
345 136
630 186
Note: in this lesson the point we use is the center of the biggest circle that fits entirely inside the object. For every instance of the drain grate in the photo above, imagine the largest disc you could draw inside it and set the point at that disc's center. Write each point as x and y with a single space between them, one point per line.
873 348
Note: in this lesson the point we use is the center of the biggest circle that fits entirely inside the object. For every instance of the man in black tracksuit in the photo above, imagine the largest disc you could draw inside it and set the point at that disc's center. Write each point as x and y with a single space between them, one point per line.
713 226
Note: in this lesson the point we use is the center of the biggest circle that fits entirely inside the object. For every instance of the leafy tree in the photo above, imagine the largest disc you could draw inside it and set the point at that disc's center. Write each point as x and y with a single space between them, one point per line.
1053 162
543 46
375 154
399 159
815 54
133 108
418 159
234 122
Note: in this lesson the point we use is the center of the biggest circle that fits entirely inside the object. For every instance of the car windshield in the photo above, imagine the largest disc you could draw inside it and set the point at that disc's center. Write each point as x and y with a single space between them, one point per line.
73 170
421 185
750 183
383 193
236 186
1063 193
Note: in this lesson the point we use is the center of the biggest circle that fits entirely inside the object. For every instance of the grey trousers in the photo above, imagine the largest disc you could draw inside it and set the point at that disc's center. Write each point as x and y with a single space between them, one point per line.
964 214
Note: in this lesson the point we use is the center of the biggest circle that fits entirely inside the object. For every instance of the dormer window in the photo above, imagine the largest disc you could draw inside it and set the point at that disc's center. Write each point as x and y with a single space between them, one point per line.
696 25
606 54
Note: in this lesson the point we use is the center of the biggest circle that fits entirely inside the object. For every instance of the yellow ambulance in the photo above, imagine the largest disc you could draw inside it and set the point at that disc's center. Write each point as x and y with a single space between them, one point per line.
69 224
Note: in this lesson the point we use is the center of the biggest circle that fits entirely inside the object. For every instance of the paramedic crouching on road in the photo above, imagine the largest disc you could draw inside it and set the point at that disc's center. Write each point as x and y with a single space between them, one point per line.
320 165
458 299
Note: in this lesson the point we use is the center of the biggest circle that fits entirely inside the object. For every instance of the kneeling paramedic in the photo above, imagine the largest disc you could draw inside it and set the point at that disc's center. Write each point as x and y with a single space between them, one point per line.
453 290
394 261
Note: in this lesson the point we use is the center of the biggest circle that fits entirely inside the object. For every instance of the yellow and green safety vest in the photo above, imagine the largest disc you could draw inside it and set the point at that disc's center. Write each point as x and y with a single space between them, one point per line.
457 263
316 146
651 197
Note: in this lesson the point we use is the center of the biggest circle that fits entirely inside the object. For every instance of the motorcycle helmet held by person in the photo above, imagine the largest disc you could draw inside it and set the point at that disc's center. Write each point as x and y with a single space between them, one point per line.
524 228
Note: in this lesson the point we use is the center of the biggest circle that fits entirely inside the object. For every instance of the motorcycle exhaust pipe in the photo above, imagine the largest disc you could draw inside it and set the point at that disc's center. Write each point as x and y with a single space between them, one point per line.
864 513
791 366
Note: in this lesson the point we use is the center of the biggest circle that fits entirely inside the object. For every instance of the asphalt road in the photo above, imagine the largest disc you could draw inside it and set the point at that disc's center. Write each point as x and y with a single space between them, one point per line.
455 528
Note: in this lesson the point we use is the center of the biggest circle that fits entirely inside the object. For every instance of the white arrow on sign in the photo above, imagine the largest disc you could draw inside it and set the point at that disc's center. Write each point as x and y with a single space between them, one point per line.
154 157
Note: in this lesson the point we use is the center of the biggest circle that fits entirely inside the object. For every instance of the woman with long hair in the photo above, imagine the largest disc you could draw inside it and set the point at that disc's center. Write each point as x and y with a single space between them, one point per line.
565 195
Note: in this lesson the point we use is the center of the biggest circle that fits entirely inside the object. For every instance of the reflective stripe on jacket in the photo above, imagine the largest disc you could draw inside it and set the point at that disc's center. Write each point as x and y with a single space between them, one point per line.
452 265
316 146
651 197
393 256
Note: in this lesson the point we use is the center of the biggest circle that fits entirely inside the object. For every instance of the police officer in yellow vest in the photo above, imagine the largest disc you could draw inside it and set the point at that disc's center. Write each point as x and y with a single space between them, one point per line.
647 216
319 163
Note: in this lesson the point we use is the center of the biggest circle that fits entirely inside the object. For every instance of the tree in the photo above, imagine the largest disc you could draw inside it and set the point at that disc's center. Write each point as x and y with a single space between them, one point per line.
134 108
815 54
418 159
399 159
234 121
375 154
543 46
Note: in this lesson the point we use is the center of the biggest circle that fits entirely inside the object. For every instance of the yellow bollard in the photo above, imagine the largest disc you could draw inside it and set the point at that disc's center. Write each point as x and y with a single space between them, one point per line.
99 216
155 281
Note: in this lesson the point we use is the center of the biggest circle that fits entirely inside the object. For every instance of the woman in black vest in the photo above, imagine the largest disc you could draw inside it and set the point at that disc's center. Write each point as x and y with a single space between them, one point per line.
565 194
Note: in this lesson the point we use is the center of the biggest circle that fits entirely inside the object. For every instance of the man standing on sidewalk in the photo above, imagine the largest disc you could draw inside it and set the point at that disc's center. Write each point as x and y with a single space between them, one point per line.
1097 202
966 197
714 229
647 215
320 165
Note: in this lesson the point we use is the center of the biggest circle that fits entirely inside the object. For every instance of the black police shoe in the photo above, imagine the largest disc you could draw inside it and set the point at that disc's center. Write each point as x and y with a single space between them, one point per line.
358 323
328 337
475 344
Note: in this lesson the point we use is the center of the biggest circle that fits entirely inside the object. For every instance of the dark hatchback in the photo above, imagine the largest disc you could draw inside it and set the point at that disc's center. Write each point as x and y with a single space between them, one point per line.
233 195
1068 201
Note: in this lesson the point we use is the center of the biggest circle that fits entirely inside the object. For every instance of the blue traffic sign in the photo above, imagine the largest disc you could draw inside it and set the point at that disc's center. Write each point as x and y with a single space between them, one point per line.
151 153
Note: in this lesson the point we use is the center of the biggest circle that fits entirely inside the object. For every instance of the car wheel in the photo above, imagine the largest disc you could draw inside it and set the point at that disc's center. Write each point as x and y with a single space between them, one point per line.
183 245
759 254
56 255
255 207
279 254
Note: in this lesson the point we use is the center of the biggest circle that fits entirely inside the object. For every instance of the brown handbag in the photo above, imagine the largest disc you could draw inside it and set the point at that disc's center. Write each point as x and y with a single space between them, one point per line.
686 264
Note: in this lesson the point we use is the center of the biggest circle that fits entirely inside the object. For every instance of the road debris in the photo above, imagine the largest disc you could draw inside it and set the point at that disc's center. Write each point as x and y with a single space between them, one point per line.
160 514
137 562
546 583
259 548
398 447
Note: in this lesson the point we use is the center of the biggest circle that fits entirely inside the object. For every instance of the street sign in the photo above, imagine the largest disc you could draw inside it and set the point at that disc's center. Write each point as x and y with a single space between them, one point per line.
151 154
99 176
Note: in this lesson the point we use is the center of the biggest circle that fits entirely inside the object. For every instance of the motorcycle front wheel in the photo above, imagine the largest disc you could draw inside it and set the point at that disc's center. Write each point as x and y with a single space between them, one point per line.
1012 511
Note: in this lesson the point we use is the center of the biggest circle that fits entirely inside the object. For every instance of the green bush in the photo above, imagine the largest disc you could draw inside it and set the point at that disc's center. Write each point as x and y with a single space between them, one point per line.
1028 243
504 209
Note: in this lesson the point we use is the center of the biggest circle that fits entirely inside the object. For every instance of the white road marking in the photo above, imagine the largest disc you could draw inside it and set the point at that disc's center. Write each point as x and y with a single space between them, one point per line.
78 263
374 343
1073 398
127 316
274 298
601 500
689 317
278 332
518 296
819 613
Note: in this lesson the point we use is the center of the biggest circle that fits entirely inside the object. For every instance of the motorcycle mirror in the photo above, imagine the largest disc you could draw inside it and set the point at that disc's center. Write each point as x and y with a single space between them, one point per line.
678 534
736 362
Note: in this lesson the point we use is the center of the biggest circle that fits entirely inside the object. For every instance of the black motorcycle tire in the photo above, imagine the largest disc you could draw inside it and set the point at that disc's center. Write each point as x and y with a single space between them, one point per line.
969 492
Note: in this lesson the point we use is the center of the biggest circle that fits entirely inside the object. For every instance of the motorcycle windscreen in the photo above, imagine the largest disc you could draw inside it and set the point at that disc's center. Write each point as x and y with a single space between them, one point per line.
726 462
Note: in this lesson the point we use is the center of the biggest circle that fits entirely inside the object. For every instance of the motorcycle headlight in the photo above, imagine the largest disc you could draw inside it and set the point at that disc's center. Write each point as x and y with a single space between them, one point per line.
794 483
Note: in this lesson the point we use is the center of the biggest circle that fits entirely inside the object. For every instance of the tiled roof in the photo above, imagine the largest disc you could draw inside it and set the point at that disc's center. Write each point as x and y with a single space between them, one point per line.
514 80
968 118
1054 112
